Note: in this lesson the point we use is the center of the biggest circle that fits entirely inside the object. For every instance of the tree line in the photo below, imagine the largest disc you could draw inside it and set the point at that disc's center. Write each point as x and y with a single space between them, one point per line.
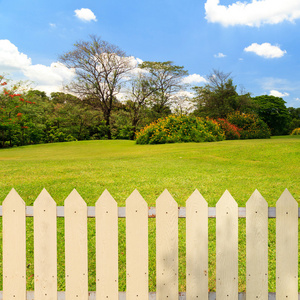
149 90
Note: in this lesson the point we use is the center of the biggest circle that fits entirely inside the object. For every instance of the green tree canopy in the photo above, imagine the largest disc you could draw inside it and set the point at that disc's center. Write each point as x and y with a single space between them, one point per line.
219 97
272 110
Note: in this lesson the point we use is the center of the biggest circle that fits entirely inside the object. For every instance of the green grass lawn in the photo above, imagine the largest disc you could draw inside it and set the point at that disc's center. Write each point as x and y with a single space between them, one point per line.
122 166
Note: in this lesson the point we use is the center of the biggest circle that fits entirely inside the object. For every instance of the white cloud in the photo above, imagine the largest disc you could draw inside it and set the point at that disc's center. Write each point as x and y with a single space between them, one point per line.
278 94
297 99
194 78
55 74
254 13
85 14
46 78
219 55
10 57
266 50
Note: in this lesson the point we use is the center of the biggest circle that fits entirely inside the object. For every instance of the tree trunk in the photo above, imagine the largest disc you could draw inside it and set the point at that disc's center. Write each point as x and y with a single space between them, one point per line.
107 123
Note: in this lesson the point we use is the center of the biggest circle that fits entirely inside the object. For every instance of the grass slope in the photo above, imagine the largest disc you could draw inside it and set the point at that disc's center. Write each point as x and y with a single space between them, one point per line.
122 166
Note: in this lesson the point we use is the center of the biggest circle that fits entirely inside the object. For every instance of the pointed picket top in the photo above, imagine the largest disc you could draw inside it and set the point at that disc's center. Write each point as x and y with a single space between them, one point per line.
166 200
106 199
44 199
226 200
287 200
75 200
196 198
256 201
13 198
135 199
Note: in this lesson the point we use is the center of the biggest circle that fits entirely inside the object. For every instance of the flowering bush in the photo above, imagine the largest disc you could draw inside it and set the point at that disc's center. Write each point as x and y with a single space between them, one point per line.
252 127
296 131
231 131
176 129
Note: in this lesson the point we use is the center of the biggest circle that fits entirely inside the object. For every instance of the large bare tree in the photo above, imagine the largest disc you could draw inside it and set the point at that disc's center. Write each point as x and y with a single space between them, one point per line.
100 69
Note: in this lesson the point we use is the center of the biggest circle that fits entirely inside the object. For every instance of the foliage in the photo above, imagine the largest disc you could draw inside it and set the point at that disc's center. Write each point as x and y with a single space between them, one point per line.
296 131
231 131
295 116
252 127
272 110
175 129
165 78
219 97
100 68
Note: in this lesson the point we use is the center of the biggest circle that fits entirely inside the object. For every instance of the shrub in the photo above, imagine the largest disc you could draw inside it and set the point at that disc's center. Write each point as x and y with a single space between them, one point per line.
176 129
296 131
252 127
231 131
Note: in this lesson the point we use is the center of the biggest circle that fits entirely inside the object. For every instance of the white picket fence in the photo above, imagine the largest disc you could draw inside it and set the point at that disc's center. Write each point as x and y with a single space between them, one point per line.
75 211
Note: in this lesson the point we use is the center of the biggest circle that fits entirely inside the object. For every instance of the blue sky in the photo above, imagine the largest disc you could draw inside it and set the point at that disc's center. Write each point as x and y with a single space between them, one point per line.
257 41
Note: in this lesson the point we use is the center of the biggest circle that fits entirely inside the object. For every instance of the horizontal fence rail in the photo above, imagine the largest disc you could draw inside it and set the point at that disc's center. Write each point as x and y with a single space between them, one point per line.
106 213
60 212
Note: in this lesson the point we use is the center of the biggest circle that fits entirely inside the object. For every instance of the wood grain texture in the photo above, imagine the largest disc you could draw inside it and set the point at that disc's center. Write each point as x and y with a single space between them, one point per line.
136 247
106 247
14 247
287 247
166 247
257 247
227 248
196 247
45 247
76 247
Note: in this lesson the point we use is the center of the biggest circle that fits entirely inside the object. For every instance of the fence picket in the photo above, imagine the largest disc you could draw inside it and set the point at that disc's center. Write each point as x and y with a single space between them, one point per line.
227 248
257 247
196 247
166 247
76 247
136 247
45 248
106 247
287 247
14 247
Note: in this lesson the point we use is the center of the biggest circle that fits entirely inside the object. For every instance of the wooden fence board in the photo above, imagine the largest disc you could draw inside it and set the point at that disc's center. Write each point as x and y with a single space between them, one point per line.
257 247
76 247
45 247
166 247
196 247
136 247
227 248
286 247
14 247
106 247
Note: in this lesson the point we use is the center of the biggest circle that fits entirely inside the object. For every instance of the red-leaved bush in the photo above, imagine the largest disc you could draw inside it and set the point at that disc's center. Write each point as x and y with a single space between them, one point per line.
231 131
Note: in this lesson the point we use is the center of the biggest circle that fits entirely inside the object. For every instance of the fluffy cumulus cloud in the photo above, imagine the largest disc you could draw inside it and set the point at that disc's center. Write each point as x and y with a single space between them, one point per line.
278 94
254 13
85 14
266 50
47 78
11 59
194 78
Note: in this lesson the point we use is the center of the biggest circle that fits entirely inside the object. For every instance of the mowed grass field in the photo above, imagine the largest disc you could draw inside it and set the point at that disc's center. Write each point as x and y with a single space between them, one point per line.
122 166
